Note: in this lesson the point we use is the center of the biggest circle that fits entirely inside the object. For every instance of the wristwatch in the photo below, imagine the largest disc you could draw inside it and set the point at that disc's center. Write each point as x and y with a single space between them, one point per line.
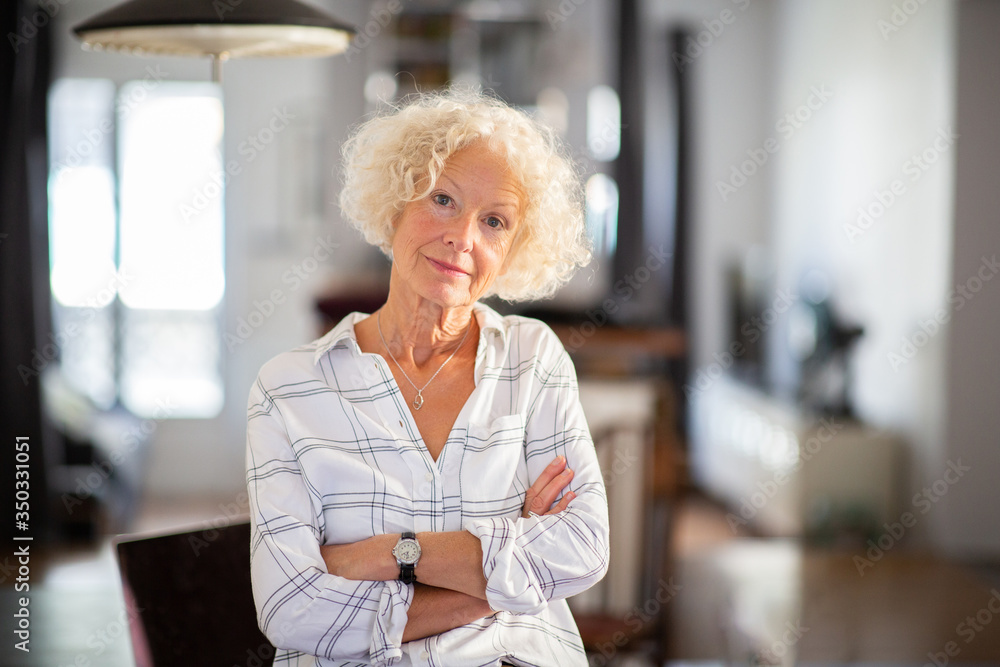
407 553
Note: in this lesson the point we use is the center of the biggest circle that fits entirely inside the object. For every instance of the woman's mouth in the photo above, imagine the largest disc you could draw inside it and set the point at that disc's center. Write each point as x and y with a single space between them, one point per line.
446 268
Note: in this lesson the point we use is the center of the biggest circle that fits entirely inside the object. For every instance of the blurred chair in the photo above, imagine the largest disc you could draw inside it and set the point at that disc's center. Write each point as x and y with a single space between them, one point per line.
628 612
189 600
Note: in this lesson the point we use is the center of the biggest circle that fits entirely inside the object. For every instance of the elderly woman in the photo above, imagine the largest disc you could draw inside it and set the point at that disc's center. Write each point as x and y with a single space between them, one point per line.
423 485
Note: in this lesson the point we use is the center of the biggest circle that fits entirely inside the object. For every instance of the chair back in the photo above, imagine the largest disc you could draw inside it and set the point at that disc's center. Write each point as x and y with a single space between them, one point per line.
189 600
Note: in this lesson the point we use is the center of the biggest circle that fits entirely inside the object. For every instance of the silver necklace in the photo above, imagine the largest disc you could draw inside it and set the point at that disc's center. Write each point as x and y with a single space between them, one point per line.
418 402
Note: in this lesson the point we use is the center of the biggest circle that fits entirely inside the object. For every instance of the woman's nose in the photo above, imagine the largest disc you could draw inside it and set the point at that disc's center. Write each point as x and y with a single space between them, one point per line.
461 233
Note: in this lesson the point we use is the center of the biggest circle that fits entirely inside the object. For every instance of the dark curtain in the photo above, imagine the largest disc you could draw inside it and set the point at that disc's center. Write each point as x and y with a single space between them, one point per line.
25 315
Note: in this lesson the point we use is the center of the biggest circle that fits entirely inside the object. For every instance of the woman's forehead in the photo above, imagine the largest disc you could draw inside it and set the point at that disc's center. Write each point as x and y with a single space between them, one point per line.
478 165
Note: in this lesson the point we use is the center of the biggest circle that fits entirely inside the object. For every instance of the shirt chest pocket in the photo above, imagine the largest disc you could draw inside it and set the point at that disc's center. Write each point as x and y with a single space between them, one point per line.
493 477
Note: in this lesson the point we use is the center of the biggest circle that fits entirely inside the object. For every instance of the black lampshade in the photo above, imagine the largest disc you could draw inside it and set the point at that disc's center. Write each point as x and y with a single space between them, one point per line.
220 28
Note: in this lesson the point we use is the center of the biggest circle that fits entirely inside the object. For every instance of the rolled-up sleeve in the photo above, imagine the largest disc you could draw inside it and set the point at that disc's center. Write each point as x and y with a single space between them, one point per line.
300 606
529 562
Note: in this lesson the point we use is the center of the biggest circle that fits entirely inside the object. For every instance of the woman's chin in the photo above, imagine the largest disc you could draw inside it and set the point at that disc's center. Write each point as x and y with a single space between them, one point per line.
447 295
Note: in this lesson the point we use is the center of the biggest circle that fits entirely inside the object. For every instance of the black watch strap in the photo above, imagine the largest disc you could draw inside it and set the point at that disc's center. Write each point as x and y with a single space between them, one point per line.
408 571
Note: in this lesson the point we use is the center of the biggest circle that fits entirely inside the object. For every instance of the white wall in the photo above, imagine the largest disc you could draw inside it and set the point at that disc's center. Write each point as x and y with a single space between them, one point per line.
899 85
730 107
890 95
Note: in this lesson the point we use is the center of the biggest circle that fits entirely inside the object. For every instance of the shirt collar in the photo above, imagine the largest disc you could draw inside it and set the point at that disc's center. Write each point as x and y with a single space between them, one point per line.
343 335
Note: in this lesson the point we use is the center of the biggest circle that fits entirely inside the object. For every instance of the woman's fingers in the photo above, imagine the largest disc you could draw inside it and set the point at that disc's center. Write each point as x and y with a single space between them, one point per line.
546 489
534 500
563 504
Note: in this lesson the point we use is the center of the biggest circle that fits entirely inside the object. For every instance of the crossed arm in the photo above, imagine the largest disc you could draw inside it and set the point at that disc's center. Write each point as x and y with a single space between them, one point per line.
452 588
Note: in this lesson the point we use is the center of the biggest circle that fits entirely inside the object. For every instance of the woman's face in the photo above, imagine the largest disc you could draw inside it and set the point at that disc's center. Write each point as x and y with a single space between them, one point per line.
450 246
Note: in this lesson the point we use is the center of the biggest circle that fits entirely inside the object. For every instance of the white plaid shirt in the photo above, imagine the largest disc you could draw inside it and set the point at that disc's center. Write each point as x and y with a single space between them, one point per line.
333 456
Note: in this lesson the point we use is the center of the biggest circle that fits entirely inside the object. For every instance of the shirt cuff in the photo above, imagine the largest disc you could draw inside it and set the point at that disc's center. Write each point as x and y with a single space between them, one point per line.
387 634
510 584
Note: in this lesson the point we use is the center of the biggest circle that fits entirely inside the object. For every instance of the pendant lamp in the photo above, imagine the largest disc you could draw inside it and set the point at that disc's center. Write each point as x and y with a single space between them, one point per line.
221 29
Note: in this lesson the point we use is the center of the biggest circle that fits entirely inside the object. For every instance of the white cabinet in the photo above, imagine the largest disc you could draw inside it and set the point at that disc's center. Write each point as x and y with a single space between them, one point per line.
785 472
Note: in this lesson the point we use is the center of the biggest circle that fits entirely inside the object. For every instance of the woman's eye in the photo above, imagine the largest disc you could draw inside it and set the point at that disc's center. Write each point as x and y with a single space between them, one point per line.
494 222
443 200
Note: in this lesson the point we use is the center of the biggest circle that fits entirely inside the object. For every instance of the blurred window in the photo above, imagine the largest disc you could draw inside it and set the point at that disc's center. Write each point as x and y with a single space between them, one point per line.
136 243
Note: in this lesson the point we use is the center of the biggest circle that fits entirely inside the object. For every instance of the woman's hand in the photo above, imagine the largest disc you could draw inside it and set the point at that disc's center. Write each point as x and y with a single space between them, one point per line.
370 559
546 488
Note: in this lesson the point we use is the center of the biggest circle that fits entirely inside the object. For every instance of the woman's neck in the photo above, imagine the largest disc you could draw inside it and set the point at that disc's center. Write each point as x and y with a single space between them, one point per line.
417 330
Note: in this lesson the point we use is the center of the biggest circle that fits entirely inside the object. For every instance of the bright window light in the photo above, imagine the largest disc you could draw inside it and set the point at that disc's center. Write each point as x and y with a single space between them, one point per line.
83 276
137 263
171 195
601 194
604 122
82 225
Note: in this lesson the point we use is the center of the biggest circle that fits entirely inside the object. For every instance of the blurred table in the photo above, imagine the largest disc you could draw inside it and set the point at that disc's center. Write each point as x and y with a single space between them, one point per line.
616 351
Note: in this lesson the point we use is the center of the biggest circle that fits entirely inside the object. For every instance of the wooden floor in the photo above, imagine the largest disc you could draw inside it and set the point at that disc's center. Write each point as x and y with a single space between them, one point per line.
739 600
775 602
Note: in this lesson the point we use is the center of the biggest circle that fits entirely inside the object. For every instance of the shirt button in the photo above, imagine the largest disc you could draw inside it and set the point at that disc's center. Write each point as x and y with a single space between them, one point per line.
425 655
429 477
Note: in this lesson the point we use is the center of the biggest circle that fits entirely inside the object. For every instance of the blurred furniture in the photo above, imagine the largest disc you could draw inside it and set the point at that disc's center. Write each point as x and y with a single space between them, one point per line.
97 464
189 599
336 303
787 472
626 612
629 391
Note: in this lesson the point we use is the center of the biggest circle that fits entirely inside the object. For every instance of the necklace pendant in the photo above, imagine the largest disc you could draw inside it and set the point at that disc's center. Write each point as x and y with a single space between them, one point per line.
418 402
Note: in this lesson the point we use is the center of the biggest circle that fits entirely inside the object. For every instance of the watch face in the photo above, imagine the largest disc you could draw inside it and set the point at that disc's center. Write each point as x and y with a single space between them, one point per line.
407 551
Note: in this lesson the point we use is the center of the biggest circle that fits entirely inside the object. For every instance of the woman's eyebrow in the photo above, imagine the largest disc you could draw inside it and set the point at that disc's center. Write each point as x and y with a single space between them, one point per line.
511 205
513 202
452 184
